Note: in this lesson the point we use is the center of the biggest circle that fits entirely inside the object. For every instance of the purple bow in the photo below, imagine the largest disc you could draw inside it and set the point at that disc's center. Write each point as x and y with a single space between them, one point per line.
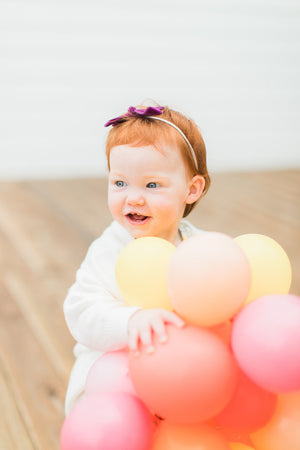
134 112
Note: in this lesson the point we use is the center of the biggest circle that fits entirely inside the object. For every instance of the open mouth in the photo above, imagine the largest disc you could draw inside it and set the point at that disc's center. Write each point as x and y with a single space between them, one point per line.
137 218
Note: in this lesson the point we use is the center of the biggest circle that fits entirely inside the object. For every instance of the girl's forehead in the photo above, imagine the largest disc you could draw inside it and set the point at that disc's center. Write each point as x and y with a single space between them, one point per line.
162 146
146 159
149 152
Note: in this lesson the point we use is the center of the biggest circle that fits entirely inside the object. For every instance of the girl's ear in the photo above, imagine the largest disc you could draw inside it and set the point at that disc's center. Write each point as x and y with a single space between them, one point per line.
196 188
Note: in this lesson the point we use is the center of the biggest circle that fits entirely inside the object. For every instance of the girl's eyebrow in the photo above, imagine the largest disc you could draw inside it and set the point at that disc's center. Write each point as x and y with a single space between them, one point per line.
147 176
157 176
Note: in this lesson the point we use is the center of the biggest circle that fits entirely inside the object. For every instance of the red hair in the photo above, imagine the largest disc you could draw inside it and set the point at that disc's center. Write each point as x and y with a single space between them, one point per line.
142 131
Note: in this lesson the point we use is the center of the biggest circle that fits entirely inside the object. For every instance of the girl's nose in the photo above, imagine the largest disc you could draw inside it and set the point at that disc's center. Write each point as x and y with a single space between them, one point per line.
135 197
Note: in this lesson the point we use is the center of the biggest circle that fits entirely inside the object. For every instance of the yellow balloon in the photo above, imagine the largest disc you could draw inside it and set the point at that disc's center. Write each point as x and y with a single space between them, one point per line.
239 446
270 266
141 272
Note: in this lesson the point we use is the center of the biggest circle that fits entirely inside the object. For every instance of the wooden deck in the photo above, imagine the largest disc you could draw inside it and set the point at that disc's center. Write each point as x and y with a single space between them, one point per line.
45 229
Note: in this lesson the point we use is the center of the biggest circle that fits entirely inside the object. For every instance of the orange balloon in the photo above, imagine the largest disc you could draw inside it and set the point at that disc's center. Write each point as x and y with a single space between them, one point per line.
250 407
208 278
240 446
188 379
189 437
236 436
231 435
283 430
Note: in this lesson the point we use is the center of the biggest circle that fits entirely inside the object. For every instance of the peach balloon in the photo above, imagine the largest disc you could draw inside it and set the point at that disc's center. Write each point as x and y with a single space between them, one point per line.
189 437
208 278
188 379
283 430
270 266
141 272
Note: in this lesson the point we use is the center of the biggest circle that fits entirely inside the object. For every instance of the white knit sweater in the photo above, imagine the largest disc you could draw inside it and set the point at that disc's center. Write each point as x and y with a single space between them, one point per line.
94 310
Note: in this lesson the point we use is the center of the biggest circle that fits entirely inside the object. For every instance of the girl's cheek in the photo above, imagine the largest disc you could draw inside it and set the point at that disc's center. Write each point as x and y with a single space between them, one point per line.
114 203
163 204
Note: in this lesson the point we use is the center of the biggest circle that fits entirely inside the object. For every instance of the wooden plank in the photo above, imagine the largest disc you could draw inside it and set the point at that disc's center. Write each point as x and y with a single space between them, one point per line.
48 327
36 386
13 431
81 203
42 238
40 303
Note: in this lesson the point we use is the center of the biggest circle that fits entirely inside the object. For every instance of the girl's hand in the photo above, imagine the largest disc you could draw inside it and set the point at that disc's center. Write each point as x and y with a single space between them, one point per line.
143 323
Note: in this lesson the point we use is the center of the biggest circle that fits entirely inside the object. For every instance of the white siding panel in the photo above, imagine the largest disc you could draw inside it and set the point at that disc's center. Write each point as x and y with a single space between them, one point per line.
67 66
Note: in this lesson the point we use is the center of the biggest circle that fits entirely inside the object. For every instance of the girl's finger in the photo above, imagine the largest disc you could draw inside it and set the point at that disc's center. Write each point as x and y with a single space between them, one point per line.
146 337
159 328
170 317
133 337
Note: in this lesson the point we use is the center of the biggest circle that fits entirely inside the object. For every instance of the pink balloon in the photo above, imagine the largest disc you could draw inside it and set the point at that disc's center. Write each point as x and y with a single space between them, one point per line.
110 373
266 342
188 379
109 421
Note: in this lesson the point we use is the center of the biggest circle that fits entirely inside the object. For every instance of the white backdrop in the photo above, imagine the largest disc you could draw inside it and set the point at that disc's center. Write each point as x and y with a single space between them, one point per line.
67 66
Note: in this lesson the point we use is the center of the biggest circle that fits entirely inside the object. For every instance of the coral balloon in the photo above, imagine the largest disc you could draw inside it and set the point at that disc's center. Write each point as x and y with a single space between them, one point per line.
223 331
107 421
110 373
266 342
141 270
208 278
188 379
250 407
189 437
239 446
270 266
283 431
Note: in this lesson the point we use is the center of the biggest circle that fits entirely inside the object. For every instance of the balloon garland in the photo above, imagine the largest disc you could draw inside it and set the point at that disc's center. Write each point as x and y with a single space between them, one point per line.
229 379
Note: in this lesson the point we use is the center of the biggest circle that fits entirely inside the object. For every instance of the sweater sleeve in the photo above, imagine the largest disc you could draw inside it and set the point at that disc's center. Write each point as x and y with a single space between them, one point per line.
94 311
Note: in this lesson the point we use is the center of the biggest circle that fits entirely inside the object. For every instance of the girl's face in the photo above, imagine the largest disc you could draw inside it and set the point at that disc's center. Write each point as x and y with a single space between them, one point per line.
148 190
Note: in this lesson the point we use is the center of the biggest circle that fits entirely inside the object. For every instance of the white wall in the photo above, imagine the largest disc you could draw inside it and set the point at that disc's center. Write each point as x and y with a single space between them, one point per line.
67 66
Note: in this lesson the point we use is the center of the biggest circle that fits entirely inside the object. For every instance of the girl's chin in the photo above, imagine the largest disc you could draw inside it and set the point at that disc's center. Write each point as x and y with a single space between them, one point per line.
139 233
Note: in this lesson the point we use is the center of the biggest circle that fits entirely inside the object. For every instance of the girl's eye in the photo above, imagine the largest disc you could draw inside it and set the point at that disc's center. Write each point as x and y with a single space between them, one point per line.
120 183
152 185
